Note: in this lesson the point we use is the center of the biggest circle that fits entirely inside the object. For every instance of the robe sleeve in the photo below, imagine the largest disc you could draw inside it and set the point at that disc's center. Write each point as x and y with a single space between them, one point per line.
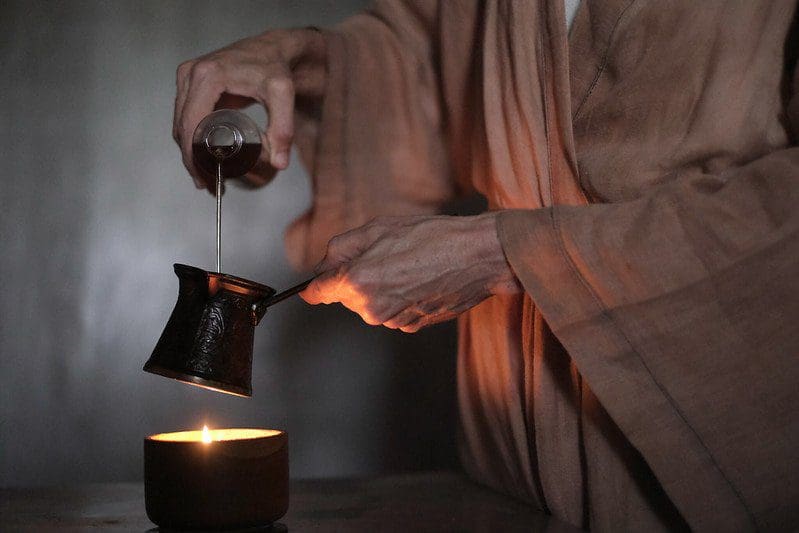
681 310
378 146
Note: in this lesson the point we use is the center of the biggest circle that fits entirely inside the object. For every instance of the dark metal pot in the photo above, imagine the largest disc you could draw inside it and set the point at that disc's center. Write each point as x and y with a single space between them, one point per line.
208 340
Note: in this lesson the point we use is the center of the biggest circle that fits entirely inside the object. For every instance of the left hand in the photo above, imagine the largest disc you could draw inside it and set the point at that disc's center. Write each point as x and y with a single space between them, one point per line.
410 272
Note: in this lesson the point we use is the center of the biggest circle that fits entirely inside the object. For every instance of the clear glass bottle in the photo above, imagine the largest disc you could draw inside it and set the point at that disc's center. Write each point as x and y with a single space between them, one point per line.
228 137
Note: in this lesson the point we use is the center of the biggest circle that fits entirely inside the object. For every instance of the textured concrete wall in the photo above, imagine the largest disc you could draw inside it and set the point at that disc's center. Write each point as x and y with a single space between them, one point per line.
95 207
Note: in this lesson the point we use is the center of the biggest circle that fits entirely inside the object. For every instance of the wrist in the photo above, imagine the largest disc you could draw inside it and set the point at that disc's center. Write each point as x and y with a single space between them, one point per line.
500 278
305 52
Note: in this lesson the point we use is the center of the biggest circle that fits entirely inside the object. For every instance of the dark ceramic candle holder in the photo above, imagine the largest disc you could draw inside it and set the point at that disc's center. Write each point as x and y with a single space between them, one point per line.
240 479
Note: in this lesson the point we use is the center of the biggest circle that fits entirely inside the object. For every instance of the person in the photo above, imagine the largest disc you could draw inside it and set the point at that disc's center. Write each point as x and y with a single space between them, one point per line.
628 303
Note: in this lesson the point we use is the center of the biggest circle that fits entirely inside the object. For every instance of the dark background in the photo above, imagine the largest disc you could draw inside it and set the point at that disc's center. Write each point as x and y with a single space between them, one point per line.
96 206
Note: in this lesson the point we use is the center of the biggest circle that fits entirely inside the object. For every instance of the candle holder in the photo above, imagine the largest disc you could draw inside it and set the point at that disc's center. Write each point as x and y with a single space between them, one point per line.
218 479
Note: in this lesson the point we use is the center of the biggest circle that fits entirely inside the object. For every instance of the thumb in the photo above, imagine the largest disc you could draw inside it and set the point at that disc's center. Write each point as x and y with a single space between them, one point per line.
323 289
344 248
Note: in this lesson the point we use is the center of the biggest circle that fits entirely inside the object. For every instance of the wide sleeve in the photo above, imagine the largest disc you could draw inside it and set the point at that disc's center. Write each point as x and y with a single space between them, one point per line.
681 310
378 146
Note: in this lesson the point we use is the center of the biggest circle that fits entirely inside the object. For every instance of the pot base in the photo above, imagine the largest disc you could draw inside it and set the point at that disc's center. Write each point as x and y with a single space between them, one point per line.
209 384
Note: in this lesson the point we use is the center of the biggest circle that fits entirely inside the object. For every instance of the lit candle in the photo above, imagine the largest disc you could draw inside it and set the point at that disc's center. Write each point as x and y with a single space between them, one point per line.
216 478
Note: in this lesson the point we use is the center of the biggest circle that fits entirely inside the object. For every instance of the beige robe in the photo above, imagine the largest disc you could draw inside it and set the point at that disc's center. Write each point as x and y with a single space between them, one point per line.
650 207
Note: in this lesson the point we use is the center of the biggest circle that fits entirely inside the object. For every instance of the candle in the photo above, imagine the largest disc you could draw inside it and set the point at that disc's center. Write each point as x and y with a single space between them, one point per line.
216 478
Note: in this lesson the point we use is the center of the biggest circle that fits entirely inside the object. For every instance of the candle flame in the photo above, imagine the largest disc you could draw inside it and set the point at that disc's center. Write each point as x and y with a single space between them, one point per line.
206 435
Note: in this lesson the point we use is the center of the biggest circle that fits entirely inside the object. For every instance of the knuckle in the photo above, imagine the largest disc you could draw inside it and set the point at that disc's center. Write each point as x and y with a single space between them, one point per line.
183 69
280 84
334 245
205 68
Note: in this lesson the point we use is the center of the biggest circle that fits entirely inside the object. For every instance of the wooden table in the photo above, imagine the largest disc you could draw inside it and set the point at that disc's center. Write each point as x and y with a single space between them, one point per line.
415 502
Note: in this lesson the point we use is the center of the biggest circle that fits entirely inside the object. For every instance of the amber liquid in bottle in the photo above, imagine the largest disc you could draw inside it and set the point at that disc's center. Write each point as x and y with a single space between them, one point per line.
233 166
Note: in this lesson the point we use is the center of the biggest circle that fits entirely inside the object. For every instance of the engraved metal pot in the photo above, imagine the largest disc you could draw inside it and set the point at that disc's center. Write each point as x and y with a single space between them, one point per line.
208 339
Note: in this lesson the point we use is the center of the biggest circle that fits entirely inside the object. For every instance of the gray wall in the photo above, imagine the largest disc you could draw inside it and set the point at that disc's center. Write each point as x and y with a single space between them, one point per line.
95 207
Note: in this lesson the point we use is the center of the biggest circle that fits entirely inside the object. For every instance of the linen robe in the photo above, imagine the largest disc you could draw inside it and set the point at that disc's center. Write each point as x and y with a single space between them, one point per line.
645 170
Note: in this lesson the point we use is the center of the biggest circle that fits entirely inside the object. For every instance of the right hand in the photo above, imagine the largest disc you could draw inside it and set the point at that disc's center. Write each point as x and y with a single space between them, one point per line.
272 69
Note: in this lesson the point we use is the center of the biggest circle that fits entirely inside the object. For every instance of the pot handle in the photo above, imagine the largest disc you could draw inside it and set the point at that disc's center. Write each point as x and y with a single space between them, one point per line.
259 308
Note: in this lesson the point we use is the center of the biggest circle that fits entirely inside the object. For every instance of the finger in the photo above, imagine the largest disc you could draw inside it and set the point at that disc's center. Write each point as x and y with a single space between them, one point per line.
332 287
181 90
204 89
324 289
366 316
358 302
347 246
278 96
414 326
344 248
403 318
263 171
427 320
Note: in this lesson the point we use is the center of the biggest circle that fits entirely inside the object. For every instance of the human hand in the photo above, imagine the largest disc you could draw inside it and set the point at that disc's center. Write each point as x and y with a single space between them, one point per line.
273 69
410 272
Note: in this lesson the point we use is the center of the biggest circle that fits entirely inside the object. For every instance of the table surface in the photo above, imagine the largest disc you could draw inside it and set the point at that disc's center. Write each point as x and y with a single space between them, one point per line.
440 501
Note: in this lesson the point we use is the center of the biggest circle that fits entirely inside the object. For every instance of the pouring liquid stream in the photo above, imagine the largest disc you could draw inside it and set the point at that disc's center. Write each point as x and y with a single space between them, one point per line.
219 216
279 297
223 145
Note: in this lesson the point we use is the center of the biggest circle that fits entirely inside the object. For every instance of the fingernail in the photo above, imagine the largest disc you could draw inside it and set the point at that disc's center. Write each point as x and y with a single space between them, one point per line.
281 159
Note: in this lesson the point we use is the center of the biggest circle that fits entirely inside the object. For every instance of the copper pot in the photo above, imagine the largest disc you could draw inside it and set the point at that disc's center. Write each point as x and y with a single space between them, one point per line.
208 340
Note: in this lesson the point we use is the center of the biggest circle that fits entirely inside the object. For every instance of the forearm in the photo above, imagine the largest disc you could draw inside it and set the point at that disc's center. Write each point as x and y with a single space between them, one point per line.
578 260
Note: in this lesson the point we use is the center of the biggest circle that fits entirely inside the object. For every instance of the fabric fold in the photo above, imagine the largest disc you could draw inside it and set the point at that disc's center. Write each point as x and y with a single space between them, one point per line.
378 148
662 327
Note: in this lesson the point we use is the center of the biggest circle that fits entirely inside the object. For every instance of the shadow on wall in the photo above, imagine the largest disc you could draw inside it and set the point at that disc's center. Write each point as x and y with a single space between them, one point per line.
392 413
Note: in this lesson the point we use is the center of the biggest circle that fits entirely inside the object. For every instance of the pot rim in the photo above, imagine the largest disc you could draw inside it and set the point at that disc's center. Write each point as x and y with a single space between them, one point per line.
236 281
